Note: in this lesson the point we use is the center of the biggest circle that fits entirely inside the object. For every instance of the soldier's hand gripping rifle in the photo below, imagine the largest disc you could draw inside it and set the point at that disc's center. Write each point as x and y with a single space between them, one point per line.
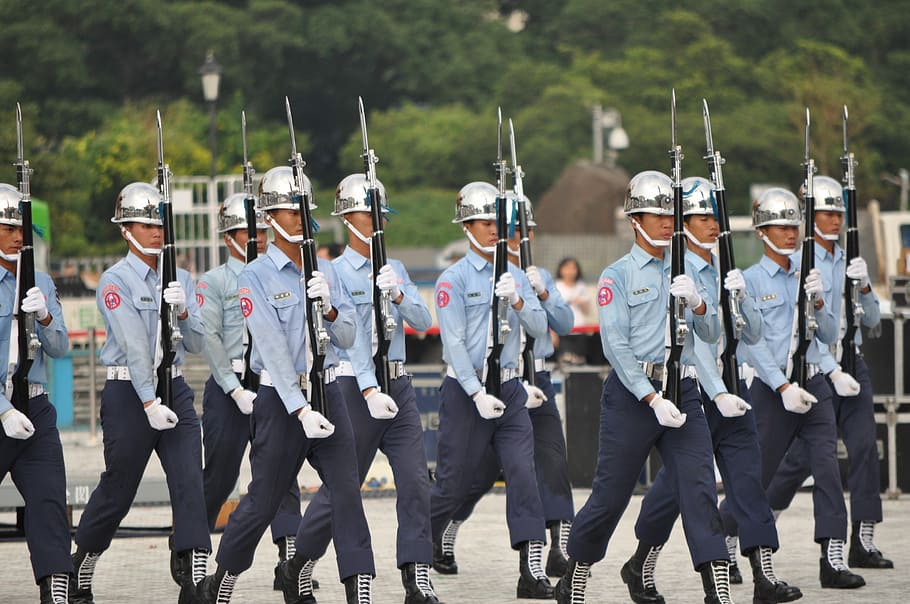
524 248
805 314
315 315
382 300
249 380
677 310
500 305
733 320
170 330
27 343
853 308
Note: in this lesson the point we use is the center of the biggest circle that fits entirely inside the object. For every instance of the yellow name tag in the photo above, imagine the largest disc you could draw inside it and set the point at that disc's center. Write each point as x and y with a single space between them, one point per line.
767 297
639 292
282 295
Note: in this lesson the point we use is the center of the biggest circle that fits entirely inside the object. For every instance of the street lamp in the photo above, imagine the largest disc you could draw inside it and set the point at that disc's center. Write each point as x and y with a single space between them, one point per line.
607 119
211 78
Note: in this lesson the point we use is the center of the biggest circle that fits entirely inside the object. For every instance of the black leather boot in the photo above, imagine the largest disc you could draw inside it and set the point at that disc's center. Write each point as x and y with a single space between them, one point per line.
768 588
863 553
533 583
81 580
571 587
54 589
295 580
638 574
833 573
358 589
286 550
418 588
217 588
736 577
557 558
444 550
715 577
188 568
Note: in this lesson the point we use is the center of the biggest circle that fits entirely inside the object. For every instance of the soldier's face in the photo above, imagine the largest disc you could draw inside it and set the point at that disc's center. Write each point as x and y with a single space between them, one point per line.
784 237
657 226
829 223
149 236
362 221
484 231
241 237
703 227
287 219
10 238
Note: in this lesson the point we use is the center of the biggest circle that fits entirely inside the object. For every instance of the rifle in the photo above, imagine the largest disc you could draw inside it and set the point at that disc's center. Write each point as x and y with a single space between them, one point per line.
318 336
853 309
382 300
677 305
28 342
170 330
249 380
524 248
733 319
500 305
805 314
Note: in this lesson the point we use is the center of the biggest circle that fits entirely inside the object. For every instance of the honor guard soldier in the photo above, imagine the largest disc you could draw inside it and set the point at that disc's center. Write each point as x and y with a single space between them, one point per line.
632 297
386 421
30 449
732 426
550 461
852 397
134 419
784 410
286 429
470 418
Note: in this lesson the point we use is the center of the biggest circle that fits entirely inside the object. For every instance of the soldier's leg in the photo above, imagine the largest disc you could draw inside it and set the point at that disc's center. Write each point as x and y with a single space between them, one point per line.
225 434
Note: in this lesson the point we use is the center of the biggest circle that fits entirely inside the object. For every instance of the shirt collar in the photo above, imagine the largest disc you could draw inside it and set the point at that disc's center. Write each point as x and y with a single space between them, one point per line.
5 273
278 258
235 265
821 253
642 258
771 267
477 261
355 259
142 269
698 262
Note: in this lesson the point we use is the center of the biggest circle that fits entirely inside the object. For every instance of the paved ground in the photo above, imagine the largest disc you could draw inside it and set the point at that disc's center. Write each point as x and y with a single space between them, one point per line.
135 569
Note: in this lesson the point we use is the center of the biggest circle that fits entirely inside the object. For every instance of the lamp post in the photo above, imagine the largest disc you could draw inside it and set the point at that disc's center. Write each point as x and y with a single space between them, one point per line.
607 119
211 78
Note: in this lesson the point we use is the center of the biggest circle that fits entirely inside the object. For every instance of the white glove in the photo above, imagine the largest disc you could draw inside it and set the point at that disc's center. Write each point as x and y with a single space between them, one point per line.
858 270
387 281
684 287
315 425
318 287
34 302
844 383
505 288
536 280
381 405
536 397
16 424
735 282
488 406
244 399
814 285
797 400
731 405
160 417
666 412
174 294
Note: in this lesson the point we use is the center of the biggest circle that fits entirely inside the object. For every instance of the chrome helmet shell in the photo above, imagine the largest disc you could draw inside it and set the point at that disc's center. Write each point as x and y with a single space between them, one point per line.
277 187
512 209
476 201
829 194
232 215
698 197
10 212
352 195
776 207
138 202
649 192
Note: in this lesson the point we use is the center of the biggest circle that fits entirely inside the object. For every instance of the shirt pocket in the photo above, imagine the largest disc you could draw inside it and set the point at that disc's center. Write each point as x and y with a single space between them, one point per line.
285 306
230 309
641 304
145 305
774 316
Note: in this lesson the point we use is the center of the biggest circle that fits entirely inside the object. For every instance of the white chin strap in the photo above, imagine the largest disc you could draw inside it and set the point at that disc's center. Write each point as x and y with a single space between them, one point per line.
486 250
148 251
641 231
514 253
696 242
284 234
356 233
237 247
783 251
10 257
831 237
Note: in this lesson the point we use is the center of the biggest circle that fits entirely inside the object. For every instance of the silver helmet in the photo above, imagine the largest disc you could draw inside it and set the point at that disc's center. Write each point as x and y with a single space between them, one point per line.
351 195
512 209
829 194
476 201
698 197
275 190
232 214
138 202
649 192
776 207
10 213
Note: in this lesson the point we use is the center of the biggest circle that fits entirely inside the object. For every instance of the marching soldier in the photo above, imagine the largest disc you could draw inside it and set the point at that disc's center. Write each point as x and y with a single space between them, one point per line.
632 298
30 449
286 429
732 426
852 397
134 419
470 418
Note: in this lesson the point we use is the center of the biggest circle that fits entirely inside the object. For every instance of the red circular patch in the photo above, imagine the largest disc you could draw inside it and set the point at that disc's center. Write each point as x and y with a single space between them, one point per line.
604 296
442 298
112 300
200 299
246 306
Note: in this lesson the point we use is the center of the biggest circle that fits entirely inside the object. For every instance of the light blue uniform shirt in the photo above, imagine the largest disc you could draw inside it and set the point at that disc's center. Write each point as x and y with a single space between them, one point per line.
463 303
775 292
559 316
216 293
54 338
356 273
632 306
273 300
128 298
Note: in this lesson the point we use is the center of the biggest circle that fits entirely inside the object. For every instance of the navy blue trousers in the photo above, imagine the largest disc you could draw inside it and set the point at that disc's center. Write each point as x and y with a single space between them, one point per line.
856 420
278 450
777 428
464 438
550 462
225 434
37 469
128 443
628 431
738 457
401 439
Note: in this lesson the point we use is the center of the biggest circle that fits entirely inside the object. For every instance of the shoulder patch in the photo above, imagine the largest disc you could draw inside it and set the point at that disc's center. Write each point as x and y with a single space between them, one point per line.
246 306
243 290
606 281
200 299
111 300
604 296
201 285
110 288
442 298
444 284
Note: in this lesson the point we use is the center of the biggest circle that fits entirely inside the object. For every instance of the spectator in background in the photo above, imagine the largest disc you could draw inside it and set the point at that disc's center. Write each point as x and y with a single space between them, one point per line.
574 291
329 251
